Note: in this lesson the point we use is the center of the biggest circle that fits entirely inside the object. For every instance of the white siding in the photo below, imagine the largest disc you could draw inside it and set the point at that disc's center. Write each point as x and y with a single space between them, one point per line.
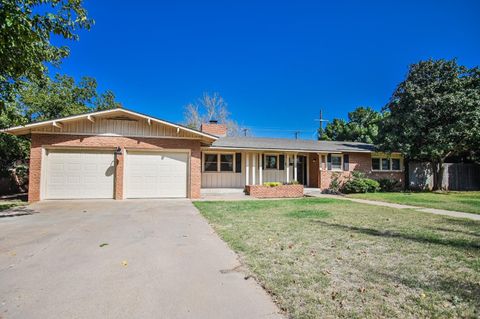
107 126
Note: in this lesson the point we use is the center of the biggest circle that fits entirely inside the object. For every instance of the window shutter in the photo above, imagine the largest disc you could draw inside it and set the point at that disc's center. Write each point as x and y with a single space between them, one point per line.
263 161
238 162
346 164
281 162
329 162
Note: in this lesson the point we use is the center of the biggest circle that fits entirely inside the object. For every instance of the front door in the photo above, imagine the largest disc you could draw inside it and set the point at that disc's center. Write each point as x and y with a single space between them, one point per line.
302 169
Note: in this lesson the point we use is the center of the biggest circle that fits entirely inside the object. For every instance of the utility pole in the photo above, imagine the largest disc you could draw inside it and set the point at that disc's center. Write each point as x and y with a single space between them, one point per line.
296 134
245 131
320 120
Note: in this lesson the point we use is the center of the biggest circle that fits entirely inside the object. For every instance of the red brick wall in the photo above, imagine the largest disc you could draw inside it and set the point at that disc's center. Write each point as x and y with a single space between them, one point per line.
40 140
361 162
214 129
281 191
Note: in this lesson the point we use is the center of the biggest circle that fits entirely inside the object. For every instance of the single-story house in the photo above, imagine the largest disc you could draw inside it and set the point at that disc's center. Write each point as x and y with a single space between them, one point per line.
121 154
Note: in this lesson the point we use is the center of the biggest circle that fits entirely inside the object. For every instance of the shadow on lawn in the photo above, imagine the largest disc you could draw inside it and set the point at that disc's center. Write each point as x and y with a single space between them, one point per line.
421 238
450 288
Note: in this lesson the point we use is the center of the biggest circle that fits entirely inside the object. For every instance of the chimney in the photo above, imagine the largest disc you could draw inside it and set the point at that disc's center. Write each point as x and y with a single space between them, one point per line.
214 128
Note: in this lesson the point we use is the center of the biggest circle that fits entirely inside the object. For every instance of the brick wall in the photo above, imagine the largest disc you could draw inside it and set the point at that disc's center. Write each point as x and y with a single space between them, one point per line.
361 162
281 191
41 140
214 129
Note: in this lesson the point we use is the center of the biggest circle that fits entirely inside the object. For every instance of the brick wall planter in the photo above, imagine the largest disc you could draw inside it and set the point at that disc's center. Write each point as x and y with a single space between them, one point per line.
281 191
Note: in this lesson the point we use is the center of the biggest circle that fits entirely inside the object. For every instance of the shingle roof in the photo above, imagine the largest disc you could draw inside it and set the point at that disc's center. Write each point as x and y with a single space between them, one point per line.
291 144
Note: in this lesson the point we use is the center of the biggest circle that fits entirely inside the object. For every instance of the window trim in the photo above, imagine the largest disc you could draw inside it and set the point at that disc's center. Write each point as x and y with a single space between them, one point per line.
340 169
276 161
218 154
381 158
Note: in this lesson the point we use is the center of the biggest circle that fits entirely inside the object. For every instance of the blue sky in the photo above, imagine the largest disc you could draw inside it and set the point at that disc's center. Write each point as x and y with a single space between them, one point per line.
275 62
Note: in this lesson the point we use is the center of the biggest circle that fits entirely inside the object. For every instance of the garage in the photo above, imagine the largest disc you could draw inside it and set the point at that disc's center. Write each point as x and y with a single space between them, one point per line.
156 174
79 174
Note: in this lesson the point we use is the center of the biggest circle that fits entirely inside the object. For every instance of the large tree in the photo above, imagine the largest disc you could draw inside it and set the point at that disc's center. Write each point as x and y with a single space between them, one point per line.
434 114
207 108
362 126
62 96
26 27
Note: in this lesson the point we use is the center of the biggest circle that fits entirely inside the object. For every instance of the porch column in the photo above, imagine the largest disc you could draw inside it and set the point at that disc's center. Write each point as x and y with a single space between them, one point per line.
288 168
260 169
295 167
247 169
254 168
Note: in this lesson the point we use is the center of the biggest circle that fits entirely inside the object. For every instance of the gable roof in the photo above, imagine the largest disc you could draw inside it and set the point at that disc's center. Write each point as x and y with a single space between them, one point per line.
26 129
284 144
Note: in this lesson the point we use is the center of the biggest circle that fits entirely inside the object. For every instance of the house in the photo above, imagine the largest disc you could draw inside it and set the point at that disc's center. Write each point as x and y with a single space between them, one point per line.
121 154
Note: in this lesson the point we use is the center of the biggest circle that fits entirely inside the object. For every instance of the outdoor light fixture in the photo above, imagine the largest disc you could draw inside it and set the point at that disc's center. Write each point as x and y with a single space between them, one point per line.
118 150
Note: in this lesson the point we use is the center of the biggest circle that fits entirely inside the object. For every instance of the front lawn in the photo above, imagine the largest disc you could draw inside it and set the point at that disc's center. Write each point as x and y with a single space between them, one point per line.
328 258
468 202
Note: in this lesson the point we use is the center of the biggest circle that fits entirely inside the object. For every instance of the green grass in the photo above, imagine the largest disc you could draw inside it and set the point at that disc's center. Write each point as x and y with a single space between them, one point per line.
10 204
468 202
327 258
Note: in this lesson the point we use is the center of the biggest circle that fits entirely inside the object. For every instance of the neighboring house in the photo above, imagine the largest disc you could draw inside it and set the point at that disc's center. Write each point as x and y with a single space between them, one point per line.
124 154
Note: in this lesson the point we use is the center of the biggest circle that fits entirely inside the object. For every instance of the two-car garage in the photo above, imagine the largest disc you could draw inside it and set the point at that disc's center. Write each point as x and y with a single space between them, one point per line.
90 174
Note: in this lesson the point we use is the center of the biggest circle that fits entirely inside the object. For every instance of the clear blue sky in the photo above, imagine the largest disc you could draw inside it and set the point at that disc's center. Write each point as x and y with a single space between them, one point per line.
275 62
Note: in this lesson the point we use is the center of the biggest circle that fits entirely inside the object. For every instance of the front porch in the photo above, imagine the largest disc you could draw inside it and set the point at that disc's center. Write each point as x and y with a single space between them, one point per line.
230 169
231 194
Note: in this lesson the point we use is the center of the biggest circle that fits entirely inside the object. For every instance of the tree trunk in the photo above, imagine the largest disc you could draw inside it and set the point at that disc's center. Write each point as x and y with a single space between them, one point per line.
438 175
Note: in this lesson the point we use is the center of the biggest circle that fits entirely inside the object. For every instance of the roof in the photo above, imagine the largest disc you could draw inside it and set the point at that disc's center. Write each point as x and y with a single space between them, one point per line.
26 129
284 144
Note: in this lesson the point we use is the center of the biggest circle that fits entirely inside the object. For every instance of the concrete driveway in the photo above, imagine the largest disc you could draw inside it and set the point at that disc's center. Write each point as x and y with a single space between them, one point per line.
162 260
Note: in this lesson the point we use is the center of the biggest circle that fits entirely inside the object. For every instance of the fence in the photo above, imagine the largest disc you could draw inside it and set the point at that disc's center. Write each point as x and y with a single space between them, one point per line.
456 176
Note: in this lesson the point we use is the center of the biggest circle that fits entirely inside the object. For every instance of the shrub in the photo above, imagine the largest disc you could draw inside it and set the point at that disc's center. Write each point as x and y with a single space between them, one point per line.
272 184
335 183
361 185
388 184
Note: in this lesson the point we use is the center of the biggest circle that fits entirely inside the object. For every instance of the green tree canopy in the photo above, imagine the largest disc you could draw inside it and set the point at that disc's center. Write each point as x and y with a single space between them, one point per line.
362 126
61 97
434 113
26 28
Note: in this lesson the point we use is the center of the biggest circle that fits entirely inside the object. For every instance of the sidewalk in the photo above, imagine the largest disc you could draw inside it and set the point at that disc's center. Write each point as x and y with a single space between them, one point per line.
399 206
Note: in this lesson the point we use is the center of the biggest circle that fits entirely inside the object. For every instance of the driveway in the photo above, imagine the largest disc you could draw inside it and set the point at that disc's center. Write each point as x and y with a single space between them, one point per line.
160 259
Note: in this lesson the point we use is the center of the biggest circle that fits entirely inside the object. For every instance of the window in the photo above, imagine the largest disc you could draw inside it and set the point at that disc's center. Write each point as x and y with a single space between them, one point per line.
226 162
336 162
211 161
386 164
271 161
395 164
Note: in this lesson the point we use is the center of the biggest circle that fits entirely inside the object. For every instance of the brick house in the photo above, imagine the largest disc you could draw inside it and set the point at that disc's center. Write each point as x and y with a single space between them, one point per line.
124 154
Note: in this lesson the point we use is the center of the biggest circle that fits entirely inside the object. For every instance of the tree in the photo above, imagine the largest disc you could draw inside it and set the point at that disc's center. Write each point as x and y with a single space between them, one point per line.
362 126
61 96
434 114
26 27
207 108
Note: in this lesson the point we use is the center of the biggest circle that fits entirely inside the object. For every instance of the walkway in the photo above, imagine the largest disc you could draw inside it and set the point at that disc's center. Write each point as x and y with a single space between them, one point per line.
312 192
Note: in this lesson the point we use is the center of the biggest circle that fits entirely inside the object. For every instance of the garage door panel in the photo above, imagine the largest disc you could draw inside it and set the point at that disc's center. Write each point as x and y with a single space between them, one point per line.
79 174
156 175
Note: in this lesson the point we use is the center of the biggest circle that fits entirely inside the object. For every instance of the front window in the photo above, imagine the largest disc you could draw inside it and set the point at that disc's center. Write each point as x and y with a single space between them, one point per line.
211 161
271 161
395 164
386 164
336 162
226 162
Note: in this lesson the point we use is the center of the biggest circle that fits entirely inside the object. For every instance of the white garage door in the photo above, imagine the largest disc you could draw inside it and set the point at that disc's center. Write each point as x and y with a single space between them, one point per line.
156 175
79 174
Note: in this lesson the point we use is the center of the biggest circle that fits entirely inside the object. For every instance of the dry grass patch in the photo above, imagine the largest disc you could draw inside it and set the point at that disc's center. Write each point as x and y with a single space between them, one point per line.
327 258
